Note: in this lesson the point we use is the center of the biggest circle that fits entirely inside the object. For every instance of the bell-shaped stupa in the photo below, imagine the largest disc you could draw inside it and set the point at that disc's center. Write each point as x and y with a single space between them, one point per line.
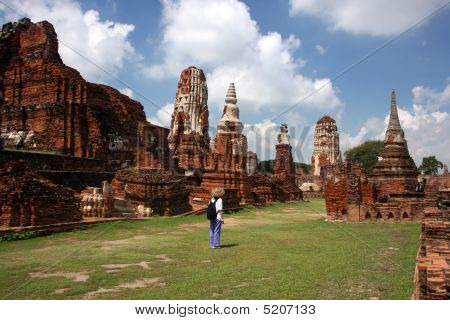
230 118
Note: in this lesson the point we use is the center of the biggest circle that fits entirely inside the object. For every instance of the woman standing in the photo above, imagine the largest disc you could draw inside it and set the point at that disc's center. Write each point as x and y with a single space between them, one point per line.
214 214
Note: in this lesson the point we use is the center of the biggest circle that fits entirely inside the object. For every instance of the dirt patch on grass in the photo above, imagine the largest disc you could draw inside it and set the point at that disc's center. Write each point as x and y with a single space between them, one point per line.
142 264
60 291
74 276
137 284
163 258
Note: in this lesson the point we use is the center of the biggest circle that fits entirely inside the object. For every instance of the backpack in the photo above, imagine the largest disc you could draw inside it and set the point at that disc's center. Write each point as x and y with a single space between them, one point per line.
211 212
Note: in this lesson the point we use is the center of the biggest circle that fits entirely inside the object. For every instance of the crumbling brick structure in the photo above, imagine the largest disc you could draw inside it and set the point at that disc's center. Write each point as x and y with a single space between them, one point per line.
152 148
48 106
284 167
27 199
188 138
136 189
326 144
227 164
431 278
390 192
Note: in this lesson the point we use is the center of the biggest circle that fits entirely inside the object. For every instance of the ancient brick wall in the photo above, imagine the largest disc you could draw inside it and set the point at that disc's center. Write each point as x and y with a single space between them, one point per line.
284 172
161 191
152 148
45 161
27 199
431 280
48 106
343 190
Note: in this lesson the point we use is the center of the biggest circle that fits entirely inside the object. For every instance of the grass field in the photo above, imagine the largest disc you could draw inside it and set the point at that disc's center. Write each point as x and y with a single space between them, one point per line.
283 251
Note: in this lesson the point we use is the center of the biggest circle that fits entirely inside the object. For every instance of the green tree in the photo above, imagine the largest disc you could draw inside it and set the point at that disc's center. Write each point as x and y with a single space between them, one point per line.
365 155
304 166
430 165
266 166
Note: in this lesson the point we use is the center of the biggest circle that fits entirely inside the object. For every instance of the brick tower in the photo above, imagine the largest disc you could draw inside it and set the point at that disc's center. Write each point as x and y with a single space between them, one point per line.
188 139
395 172
326 144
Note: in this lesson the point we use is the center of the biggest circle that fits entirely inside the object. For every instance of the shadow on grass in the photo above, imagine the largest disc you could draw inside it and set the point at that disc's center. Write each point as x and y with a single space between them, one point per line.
228 245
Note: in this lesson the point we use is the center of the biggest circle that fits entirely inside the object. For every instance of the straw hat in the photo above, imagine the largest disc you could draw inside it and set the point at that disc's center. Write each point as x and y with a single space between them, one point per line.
217 192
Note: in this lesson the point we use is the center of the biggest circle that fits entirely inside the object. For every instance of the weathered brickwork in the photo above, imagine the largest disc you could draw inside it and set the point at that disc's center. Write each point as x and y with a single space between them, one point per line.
27 199
188 138
152 148
157 192
391 193
284 167
226 166
326 144
431 279
48 106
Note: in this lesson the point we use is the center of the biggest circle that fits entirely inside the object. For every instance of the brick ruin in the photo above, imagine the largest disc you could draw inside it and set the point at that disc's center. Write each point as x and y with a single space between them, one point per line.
48 106
284 167
86 133
147 192
189 139
391 192
27 199
326 151
226 165
326 144
431 278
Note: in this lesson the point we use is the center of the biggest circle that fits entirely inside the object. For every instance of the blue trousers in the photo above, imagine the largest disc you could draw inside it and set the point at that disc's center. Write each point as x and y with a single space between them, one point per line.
214 233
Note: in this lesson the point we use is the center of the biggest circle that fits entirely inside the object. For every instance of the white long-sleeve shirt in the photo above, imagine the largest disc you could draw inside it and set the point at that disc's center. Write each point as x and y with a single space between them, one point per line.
219 208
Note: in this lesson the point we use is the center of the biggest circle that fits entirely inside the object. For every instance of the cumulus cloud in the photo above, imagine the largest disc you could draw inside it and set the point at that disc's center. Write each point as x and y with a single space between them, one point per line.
431 99
320 49
163 116
103 42
376 18
220 37
128 92
426 126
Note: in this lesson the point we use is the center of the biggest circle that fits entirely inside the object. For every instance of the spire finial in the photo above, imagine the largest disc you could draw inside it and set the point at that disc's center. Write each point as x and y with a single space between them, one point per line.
231 94
394 121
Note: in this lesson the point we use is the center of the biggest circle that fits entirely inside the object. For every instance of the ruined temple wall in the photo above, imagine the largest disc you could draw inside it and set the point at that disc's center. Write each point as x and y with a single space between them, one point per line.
28 199
432 267
394 185
48 106
152 149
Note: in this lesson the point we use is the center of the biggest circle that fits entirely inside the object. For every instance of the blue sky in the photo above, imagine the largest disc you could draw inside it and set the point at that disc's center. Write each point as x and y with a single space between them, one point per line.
276 52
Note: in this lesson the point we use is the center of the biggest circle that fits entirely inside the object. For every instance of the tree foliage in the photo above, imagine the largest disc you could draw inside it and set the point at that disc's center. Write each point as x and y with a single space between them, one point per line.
430 165
365 155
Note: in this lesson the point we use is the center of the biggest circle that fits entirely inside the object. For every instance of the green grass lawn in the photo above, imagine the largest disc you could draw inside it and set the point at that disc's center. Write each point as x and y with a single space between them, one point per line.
283 251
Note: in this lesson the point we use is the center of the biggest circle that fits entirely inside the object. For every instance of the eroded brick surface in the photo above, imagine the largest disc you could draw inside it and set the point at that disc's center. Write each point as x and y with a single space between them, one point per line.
391 192
27 199
432 276
48 106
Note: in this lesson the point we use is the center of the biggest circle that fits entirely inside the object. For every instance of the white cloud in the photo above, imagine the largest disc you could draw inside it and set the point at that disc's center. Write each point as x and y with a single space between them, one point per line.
376 18
220 37
431 99
320 49
262 138
128 92
426 126
103 42
163 116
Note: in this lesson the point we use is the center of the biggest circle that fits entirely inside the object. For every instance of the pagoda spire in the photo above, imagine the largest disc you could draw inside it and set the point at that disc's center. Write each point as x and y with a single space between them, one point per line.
394 122
230 118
